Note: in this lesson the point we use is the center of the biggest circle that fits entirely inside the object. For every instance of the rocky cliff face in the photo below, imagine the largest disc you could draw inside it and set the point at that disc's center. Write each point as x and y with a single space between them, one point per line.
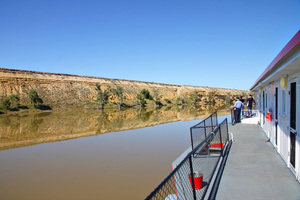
64 90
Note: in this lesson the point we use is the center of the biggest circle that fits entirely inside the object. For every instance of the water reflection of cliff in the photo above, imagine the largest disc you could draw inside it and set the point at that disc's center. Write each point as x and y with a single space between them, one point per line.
30 129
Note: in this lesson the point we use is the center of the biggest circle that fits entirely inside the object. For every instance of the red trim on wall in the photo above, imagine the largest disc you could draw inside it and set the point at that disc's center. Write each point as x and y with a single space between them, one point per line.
290 45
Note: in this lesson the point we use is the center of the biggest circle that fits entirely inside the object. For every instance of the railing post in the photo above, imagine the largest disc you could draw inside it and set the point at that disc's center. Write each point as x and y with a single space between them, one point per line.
221 142
212 123
192 177
216 118
227 134
232 116
192 138
204 129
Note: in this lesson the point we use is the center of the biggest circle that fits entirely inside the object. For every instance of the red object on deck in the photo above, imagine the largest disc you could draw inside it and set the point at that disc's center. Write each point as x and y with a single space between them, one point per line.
269 116
198 180
217 145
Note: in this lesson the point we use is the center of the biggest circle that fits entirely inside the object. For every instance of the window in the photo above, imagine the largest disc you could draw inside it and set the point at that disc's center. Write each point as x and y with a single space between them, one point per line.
260 104
266 101
283 102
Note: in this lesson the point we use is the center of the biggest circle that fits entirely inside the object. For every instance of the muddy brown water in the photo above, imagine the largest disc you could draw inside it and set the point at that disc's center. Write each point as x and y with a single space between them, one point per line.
91 154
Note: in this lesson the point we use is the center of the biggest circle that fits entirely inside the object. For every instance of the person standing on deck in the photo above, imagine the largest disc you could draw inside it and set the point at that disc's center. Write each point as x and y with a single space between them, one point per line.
250 101
237 110
242 100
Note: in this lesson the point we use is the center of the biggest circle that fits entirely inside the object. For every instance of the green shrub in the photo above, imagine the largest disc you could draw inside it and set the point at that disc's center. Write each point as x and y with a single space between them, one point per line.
15 100
102 96
143 102
158 103
6 103
168 101
178 101
34 97
146 94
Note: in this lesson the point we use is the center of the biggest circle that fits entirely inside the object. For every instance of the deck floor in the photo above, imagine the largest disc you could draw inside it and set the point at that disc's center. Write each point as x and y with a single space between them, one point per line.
254 170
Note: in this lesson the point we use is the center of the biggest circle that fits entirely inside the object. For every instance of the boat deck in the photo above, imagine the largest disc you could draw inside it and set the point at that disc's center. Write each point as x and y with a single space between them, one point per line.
253 169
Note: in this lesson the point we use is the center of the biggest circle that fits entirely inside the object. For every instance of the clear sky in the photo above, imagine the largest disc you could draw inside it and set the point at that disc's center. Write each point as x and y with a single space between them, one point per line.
215 43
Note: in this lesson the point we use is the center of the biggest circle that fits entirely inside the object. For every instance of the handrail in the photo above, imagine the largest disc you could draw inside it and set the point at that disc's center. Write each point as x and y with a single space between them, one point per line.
210 116
200 131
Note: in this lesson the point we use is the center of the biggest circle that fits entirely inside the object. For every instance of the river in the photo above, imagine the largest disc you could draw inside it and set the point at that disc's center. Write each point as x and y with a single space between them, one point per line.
91 154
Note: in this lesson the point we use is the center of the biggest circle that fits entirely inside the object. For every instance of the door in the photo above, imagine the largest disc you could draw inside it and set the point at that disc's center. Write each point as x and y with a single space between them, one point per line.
276 115
293 131
264 115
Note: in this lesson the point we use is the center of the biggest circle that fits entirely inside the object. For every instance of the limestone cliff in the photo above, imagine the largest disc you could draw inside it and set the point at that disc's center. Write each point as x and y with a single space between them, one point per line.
65 90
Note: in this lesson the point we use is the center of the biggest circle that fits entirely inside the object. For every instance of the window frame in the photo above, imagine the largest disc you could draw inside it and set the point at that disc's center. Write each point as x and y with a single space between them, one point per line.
283 102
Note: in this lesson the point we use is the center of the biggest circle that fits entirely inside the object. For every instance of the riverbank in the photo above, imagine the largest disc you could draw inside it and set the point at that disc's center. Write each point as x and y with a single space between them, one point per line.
65 91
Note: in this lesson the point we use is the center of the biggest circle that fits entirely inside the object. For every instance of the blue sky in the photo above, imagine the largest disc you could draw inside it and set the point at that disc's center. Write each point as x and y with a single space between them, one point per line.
216 43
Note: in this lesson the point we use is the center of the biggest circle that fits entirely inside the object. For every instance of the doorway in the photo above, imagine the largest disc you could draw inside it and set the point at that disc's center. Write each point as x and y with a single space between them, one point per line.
276 115
264 115
293 131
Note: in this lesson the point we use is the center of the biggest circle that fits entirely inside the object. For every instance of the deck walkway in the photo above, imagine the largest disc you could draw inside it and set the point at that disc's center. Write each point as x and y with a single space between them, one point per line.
254 170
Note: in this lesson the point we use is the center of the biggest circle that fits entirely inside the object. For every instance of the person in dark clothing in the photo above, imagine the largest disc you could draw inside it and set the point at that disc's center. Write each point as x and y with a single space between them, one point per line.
242 100
250 102
237 110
